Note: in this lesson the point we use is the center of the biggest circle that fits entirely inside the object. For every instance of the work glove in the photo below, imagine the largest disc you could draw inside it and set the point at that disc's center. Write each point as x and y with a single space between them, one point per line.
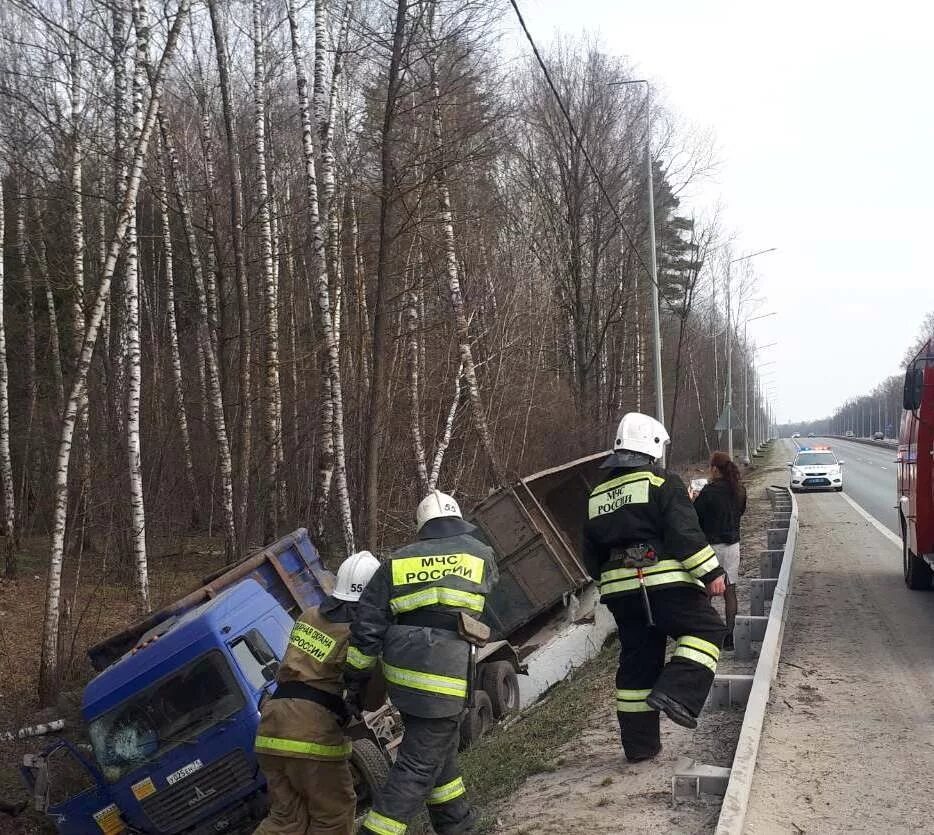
353 698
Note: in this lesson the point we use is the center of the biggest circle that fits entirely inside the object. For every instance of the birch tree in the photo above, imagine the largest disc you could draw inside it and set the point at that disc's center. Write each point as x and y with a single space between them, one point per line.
273 393
6 463
322 287
48 667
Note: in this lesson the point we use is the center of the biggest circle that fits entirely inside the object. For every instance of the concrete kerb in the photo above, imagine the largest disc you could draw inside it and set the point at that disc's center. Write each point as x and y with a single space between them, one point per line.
739 786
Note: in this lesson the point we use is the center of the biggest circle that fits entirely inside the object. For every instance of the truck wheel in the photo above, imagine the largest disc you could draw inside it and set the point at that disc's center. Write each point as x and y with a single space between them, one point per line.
499 680
370 771
478 721
917 572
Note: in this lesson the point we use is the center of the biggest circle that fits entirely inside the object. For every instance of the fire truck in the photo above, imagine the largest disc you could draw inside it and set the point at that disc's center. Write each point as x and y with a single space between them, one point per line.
915 463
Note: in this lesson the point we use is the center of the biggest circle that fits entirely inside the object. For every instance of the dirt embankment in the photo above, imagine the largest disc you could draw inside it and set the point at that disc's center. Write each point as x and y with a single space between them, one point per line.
583 783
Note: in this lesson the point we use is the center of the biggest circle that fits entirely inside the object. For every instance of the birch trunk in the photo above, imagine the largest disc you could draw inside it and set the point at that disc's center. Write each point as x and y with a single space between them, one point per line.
168 254
55 352
133 356
454 290
445 440
27 484
243 287
323 291
215 395
273 393
415 427
6 463
48 665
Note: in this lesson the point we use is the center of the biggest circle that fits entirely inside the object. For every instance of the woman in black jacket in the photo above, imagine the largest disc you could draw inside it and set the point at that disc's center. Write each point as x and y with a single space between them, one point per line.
719 507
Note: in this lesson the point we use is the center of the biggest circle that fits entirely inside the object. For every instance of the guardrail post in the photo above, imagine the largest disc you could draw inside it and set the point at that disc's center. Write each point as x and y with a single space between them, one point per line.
762 589
748 628
692 779
729 691
775 537
770 563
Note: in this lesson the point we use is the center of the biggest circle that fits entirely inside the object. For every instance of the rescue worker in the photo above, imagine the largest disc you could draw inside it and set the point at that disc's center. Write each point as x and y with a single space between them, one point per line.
300 741
418 614
644 543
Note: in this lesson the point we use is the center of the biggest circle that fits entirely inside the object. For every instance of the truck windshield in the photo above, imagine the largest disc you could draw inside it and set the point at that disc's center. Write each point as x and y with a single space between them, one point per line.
172 711
812 459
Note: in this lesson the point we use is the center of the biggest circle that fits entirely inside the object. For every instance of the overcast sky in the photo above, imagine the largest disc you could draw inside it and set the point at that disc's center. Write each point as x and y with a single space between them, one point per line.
824 124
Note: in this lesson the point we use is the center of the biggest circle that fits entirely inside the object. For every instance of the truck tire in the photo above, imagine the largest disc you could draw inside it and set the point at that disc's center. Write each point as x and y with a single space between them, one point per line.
500 682
478 721
370 771
917 572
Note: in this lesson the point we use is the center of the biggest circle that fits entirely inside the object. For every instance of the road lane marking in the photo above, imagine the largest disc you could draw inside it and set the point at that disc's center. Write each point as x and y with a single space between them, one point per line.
874 522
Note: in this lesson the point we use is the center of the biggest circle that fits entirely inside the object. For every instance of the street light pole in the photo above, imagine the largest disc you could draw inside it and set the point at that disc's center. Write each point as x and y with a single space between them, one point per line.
728 411
653 262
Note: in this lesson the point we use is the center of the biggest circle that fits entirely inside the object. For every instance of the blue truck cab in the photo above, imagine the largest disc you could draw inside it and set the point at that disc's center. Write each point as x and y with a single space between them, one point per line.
172 715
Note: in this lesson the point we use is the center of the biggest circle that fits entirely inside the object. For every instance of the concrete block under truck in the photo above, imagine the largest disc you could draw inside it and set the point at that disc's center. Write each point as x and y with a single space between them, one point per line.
172 714
915 464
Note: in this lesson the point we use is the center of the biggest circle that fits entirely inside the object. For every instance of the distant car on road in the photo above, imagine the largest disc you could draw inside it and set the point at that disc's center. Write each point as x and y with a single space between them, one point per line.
816 468
810 434
795 435
849 434
878 436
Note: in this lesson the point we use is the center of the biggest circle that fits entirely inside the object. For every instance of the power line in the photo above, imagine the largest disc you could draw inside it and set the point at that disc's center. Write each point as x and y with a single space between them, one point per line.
580 144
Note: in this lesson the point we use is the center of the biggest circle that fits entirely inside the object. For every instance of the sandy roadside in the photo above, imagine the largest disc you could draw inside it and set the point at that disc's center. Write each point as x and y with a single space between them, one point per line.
594 790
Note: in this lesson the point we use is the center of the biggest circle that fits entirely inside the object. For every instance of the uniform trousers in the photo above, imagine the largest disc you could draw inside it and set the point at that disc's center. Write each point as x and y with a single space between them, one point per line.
307 797
685 615
425 771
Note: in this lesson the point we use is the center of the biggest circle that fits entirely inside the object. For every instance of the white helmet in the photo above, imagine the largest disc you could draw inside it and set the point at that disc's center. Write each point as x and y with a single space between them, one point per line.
435 505
353 575
642 434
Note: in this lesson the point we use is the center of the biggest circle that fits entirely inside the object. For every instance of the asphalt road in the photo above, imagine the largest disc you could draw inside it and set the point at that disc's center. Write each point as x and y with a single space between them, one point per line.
848 741
869 477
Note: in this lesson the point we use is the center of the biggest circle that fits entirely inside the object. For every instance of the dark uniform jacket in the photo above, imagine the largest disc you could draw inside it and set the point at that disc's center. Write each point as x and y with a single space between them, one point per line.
314 658
645 506
408 615
719 511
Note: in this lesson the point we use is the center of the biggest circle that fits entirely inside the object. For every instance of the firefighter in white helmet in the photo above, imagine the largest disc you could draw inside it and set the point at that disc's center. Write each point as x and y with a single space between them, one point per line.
300 742
643 543
418 613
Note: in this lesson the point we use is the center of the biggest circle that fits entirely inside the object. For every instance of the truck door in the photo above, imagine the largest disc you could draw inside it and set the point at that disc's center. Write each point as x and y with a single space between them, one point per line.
70 790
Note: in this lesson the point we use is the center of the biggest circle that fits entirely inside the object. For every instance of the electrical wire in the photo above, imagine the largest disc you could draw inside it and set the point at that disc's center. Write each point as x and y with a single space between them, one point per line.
580 144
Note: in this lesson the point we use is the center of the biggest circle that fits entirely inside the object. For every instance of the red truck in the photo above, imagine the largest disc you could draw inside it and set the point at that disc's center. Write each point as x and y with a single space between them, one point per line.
915 464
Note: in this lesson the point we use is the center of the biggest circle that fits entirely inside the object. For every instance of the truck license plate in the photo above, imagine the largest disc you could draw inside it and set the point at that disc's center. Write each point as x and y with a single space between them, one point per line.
184 771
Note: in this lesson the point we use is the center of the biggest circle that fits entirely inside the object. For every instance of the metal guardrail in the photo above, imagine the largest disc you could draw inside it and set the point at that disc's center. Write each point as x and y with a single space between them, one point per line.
887 443
771 631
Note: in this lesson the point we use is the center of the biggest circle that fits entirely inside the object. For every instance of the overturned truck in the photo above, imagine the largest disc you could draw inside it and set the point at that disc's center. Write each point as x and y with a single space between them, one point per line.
171 716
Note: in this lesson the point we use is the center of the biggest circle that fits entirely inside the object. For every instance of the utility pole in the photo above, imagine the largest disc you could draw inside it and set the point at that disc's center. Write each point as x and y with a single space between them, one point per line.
650 180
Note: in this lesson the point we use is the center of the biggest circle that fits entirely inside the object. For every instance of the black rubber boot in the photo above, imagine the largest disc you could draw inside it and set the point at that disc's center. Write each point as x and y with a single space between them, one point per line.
641 758
677 713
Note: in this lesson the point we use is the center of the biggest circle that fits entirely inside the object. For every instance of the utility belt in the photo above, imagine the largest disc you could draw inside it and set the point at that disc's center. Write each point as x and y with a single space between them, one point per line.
301 690
430 620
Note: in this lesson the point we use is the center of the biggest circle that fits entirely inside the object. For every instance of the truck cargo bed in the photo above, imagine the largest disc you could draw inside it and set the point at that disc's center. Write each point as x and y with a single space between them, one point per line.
535 526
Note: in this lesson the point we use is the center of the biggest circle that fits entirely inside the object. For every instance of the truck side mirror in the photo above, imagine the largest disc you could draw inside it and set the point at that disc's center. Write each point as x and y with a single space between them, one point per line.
841 462
914 386
271 670
788 464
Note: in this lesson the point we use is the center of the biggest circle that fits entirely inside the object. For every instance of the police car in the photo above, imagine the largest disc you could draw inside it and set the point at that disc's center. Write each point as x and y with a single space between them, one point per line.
816 468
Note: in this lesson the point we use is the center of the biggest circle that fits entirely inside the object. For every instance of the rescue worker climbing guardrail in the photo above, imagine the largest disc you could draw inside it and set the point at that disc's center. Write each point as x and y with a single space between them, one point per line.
300 742
643 542
418 614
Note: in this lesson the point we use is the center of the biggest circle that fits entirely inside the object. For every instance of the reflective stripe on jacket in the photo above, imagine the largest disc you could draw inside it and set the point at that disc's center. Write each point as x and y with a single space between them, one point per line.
315 656
645 507
425 667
